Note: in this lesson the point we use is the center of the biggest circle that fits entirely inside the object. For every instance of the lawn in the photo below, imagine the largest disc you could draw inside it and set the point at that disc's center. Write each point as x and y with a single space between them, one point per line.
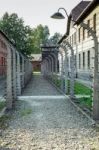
79 89
82 89
86 102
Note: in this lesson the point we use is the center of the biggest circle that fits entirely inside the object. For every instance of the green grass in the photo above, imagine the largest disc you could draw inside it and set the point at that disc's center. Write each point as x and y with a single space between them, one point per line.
79 89
86 102
82 89
25 112
2 105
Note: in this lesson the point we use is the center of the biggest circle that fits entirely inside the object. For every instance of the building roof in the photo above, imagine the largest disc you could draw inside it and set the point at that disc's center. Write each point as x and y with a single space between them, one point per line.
87 10
5 36
36 57
75 13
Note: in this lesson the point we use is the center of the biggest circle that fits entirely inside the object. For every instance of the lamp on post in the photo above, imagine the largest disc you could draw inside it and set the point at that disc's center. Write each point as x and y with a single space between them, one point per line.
59 15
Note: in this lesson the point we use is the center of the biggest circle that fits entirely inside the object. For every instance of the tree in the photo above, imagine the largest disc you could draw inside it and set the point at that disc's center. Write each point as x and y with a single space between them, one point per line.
17 32
55 38
40 36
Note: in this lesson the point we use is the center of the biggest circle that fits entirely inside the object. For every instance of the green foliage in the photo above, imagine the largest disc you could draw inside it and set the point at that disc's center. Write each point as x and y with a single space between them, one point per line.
17 32
55 38
86 102
40 36
26 39
82 89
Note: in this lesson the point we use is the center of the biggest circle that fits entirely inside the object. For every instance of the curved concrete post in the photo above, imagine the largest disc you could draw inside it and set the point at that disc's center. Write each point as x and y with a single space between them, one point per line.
96 72
18 74
9 97
52 64
42 67
62 70
14 76
65 67
49 65
72 66
22 71
55 60
45 67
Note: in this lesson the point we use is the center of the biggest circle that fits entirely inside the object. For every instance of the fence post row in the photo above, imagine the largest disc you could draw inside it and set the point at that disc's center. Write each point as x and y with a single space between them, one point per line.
9 97
17 75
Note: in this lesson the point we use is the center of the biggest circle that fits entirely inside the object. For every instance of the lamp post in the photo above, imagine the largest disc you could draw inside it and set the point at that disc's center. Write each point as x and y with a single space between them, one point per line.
58 15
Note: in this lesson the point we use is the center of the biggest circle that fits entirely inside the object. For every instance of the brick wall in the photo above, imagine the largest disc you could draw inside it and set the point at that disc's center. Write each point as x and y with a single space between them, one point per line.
3 56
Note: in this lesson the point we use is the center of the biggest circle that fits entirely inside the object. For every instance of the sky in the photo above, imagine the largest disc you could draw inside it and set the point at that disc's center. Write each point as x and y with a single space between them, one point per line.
35 12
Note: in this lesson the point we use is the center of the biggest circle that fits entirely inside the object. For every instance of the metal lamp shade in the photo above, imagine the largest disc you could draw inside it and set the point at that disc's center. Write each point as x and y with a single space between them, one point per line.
57 15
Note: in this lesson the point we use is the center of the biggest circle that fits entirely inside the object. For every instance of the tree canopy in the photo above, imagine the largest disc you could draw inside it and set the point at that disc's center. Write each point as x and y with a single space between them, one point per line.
26 39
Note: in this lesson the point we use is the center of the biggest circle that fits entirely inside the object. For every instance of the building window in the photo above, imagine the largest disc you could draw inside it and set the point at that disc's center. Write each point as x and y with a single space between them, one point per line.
94 22
89 26
83 59
88 57
75 38
79 34
72 39
83 34
79 61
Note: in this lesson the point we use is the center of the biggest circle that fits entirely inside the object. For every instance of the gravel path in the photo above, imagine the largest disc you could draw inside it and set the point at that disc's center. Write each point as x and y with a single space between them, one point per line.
39 86
49 123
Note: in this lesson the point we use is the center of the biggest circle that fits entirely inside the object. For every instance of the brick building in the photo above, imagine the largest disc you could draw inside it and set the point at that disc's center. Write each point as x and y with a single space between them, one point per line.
36 61
3 54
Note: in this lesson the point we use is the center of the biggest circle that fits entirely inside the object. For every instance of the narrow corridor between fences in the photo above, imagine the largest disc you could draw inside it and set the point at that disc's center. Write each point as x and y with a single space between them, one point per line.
45 119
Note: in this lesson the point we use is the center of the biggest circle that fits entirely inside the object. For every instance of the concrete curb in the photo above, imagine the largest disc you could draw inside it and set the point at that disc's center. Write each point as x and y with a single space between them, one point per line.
75 105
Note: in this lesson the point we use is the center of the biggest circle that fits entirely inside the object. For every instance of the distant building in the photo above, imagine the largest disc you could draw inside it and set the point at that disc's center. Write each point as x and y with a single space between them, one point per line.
36 61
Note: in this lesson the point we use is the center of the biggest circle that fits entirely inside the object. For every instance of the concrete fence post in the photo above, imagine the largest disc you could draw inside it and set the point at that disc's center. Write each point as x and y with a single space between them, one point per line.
14 76
22 71
65 66
72 66
18 74
62 70
9 96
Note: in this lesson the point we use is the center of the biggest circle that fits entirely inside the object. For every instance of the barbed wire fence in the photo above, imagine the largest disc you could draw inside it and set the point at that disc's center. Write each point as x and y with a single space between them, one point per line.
18 72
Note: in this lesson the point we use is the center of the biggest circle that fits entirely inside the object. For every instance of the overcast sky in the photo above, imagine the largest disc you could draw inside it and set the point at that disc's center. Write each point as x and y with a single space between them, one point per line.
36 12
